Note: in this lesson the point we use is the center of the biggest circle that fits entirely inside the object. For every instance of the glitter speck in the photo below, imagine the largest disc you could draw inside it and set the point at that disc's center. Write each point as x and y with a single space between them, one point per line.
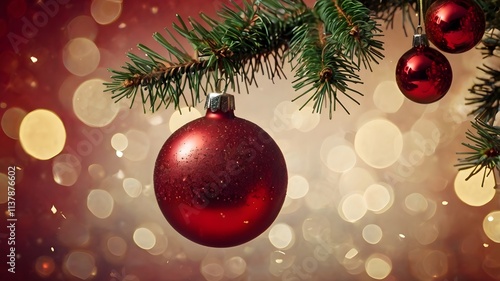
53 209
34 59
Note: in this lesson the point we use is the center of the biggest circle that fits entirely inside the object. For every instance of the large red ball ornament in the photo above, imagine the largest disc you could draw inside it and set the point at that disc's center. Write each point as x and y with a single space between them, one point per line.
220 180
423 74
454 26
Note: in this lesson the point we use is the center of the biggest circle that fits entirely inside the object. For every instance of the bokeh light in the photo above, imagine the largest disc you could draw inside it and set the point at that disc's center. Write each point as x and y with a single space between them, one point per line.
181 117
92 106
473 191
353 207
117 246
11 121
132 187
234 267
66 169
119 141
82 27
281 235
298 186
379 143
42 134
372 233
341 158
491 226
387 97
100 203
144 238
4 187
106 11
372 195
304 120
81 56
44 266
378 266
80 265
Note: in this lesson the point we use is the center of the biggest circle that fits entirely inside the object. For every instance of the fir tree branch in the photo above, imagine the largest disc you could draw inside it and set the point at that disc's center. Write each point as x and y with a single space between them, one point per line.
484 149
352 30
252 38
321 69
486 95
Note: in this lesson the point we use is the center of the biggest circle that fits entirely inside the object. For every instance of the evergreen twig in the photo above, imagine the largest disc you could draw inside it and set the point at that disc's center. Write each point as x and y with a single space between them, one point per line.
484 148
252 38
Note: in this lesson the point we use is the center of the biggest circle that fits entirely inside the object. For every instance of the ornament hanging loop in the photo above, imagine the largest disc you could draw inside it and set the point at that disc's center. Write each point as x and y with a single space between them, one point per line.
420 39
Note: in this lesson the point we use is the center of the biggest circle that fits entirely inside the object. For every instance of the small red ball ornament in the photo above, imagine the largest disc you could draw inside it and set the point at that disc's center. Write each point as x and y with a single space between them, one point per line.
220 180
454 26
423 74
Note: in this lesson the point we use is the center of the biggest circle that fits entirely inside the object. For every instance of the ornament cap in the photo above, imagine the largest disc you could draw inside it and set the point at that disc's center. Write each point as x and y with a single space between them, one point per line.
420 40
220 101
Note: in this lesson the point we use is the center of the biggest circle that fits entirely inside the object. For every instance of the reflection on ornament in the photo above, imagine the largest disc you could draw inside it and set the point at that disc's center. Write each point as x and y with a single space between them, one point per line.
423 74
454 26
220 180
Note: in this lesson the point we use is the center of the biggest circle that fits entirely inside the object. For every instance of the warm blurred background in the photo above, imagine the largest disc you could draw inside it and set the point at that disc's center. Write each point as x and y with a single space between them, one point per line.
373 195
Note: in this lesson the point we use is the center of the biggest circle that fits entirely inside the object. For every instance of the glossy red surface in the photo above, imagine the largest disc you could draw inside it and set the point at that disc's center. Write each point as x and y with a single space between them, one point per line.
423 75
220 180
454 26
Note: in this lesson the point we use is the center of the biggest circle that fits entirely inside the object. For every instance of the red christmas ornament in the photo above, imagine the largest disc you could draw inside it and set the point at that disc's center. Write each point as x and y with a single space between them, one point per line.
454 26
423 74
220 180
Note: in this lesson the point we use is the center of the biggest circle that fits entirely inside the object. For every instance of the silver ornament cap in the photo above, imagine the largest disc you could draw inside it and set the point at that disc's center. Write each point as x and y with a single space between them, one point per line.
420 40
220 101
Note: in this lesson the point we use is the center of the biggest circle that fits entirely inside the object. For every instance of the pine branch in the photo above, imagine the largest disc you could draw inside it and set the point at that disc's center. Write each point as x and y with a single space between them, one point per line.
484 149
486 95
256 37
321 68
251 39
350 28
